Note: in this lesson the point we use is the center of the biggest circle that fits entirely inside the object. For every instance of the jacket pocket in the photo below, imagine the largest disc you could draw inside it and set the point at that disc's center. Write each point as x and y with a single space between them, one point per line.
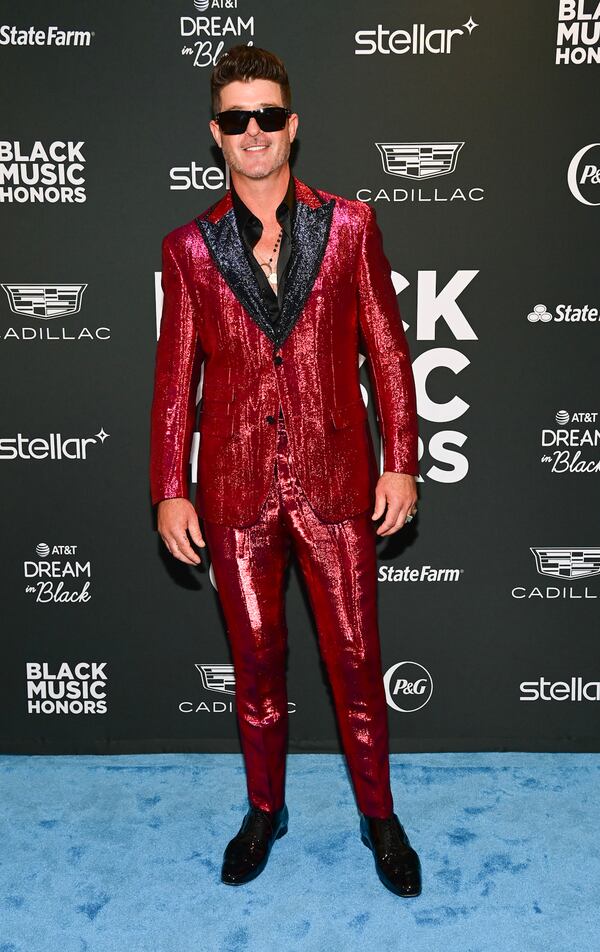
349 413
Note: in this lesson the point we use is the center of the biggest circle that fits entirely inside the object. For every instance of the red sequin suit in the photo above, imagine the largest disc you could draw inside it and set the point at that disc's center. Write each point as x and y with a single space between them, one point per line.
306 480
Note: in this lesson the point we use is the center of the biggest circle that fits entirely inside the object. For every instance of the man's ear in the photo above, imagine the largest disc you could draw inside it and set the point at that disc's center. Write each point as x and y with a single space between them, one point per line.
215 132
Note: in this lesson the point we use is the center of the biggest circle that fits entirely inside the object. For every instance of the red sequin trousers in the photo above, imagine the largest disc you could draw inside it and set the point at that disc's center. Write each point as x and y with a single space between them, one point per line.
339 566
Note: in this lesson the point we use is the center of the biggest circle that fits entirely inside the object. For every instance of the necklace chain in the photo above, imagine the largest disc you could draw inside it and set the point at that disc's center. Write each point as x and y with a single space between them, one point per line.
272 275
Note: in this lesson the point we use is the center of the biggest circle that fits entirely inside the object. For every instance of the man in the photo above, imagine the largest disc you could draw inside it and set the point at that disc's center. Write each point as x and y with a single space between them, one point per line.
272 290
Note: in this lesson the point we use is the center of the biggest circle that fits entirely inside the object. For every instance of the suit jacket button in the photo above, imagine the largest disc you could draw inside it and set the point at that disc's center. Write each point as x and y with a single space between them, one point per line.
270 419
278 359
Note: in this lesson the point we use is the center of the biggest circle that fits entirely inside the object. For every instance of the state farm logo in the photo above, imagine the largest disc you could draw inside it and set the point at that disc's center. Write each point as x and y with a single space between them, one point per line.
578 33
219 678
47 302
422 573
564 313
44 36
50 172
583 174
202 34
408 686
567 564
570 440
57 574
416 39
54 446
419 162
67 688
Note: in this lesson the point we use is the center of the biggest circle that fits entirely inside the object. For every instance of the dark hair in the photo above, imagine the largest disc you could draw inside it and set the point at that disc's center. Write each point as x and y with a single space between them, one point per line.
244 63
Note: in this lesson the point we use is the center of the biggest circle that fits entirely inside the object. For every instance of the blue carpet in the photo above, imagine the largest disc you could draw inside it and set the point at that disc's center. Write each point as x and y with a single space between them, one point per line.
122 853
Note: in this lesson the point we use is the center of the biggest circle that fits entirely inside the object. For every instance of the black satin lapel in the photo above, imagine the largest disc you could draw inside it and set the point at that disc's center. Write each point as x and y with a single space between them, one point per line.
309 241
225 247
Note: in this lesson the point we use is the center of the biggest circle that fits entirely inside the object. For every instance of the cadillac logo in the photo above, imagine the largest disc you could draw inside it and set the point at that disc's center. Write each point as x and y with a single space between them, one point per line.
419 160
44 301
217 677
567 563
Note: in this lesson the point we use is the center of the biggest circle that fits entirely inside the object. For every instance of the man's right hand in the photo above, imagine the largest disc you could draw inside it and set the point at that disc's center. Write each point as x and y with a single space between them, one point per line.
175 518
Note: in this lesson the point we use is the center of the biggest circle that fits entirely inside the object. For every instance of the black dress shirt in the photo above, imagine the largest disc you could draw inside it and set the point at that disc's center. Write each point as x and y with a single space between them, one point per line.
250 229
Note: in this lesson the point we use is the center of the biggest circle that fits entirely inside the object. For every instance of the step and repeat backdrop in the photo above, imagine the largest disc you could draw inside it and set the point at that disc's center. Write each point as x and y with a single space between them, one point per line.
472 129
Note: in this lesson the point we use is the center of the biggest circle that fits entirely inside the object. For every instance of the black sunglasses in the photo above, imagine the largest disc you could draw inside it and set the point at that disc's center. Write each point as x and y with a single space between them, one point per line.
233 122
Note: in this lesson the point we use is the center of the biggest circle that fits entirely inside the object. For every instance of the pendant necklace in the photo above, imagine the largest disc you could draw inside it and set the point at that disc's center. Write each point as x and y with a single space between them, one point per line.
272 274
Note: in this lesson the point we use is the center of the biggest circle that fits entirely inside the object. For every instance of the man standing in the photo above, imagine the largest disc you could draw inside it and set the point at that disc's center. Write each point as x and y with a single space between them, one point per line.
272 290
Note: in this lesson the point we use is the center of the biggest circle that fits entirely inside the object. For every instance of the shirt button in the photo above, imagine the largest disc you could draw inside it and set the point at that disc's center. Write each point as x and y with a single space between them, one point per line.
278 359
270 419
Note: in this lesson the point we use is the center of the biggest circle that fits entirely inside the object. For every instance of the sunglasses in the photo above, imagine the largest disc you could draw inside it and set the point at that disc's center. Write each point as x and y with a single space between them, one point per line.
233 122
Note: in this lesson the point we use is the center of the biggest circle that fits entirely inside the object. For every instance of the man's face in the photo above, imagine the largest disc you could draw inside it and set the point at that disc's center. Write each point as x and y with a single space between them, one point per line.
254 153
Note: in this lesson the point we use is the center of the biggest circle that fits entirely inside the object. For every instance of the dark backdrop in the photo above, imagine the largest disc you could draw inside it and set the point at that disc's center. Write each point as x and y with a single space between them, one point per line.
482 163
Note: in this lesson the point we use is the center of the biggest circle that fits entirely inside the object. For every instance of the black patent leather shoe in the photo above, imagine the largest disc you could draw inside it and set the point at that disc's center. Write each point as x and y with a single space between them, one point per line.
396 862
247 853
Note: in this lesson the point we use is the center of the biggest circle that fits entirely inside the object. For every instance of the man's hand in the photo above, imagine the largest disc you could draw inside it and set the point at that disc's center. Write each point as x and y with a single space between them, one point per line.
399 492
177 517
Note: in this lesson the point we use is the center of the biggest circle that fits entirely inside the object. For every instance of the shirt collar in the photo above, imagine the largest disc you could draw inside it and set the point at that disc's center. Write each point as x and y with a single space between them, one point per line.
245 217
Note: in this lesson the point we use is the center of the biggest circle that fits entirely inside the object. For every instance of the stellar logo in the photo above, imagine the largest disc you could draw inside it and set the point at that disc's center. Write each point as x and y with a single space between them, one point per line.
564 313
576 689
417 39
425 573
78 688
46 302
420 162
219 678
197 177
567 564
205 36
583 175
48 36
46 173
408 686
54 447
578 32
52 570
564 439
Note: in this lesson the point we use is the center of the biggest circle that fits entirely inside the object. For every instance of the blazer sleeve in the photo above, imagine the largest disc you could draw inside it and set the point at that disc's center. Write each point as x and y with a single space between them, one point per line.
178 361
387 353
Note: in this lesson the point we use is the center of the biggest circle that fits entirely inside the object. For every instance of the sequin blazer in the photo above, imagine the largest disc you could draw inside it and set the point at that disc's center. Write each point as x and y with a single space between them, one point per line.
218 348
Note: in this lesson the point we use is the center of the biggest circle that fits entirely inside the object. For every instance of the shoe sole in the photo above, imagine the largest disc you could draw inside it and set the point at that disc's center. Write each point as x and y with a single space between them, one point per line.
255 872
385 881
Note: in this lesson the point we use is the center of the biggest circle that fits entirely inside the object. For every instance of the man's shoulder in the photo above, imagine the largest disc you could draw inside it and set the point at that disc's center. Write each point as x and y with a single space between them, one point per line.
189 232
182 237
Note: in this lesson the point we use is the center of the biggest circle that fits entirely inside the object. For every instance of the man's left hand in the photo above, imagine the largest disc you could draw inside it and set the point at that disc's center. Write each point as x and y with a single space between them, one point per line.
399 492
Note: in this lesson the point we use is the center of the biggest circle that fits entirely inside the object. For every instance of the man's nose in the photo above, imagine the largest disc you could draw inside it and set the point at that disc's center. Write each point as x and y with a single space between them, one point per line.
253 128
